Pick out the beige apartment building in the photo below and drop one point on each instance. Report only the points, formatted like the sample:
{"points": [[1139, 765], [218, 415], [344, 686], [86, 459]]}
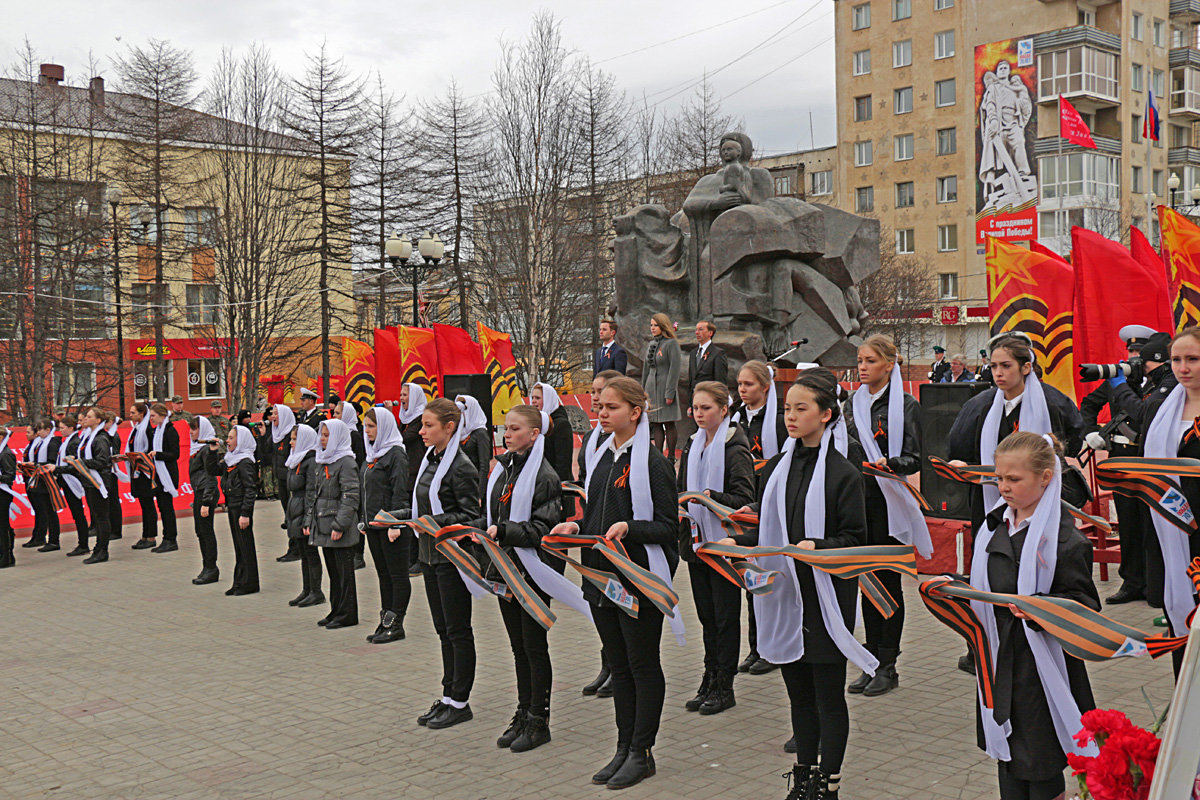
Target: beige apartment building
{"points": [[909, 126]]}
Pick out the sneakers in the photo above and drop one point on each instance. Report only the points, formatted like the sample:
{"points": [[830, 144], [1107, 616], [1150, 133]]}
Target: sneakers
{"points": [[167, 546], [514, 729], [450, 716], [433, 711]]}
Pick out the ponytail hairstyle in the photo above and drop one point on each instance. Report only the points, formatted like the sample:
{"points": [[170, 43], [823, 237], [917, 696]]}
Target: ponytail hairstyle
{"points": [[716, 390], [445, 410], [160, 409], [824, 389], [1020, 347], [142, 408], [1040, 454], [531, 416]]}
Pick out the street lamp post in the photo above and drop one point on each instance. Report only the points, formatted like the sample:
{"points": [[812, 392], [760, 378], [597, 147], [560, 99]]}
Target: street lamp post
{"points": [[1173, 186], [113, 196], [431, 249], [399, 250]]}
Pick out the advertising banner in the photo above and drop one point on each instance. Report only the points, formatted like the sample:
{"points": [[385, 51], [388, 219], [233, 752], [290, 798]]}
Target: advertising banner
{"points": [[1006, 188]]}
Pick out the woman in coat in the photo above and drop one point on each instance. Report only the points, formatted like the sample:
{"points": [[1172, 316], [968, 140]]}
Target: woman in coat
{"points": [[68, 430], [141, 483], [239, 483], [385, 487], [412, 406], [95, 456], [205, 496], [164, 449], [8, 474], [560, 441], [43, 449], [301, 481], [660, 376], [333, 520], [283, 422]]}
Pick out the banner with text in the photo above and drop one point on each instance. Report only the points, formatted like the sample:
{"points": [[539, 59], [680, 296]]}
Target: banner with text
{"points": [[1006, 187]]}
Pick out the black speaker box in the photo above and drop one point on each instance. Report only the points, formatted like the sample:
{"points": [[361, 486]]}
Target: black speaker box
{"points": [[477, 386], [940, 404]]}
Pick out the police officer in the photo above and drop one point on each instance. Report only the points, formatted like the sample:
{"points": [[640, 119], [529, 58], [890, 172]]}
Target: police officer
{"points": [[940, 366], [308, 413]]}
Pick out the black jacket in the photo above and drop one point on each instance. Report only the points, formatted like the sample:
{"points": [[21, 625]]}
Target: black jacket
{"points": [[754, 428], [302, 494], [414, 445], [279, 454], [201, 466], [169, 455], [35, 486], [560, 443], [543, 515], [385, 484], [713, 367], [939, 370], [312, 419], [617, 359], [1137, 405], [845, 526], [478, 448], [459, 495], [101, 462], [8, 469], [907, 463], [240, 485], [739, 488]]}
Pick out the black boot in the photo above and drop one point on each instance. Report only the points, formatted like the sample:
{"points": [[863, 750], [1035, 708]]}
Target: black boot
{"points": [[748, 662], [513, 731], [967, 663], [800, 779], [295, 601], [535, 734], [606, 689], [886, 677], [393, 629], [827, 785], [610, 769], [721, 696], [860, 683], [208, 575], [638, 766], [378, 628], [599, 680], [706, 687]]}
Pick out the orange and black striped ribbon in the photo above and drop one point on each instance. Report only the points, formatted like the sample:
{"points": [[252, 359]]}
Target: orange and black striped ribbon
{"points": [[83, 472], [571, 487], [876, 471], [467, 564], [744, 574], [518, 587], [41, 474], [1154, 482], [141, 462], [608, 584], [655, 589], [759, 463]]}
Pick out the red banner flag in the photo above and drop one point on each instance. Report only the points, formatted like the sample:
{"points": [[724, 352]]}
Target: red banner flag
{"points": [[418, 359], [358, 363], [1156, 278], [501, 367], [1181, 250], [1071, 125], [457, 352], [388, 374]]}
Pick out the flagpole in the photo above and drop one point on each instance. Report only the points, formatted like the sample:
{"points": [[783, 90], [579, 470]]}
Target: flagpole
{"points": [[1149, 169], [1059, 217]]}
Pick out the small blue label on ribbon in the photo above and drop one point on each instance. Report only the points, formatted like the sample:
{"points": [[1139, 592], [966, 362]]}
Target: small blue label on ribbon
{"points": [[616, 592]]}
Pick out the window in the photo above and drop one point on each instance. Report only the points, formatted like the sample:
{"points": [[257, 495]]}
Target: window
{"points": [[947, 238], [784, 185], [863, 154], [948, 285], [947, 189], [204, 378], [1089, 175], [942, 5], [1138, 27], [1185, 89], [904, 241], [902, 101], [1056, 224], [822, 182], [1159, 29], [902, 53], [943, 44], [860, 17], [199, 226], [1180, 136], [1086, 16], [1136, 183], [864, 199], [1156, 183], [862, 62], [1075, 70], [947, 141], [74, 384], [202, 301], [1159, 83], [904, 147], [143, 225], [1135, 128], [1136, 76], [905, 194], [144, 298], [862, 108], [901, 9], [144, 381], [943, 93]]}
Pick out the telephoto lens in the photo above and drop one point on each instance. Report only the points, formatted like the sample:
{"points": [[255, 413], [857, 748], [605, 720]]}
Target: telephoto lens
{"points": [[1102, 372]]}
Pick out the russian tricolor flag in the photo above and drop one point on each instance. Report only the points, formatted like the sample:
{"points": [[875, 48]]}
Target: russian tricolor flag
{"points": [[1152, 122]]}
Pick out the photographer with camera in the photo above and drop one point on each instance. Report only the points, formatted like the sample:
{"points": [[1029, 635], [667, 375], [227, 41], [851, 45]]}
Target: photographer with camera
{"points": [[1126, 395]]}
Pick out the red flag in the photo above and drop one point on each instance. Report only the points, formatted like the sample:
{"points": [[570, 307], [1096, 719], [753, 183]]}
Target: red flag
{"points": [[1181, 247], [1156, 278], [1071, 126], [501, 367], [388, 378], [418, 359], [457, 352]]}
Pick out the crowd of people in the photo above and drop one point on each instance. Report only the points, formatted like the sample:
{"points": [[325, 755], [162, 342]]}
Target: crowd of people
{"points": [[798, 459]]}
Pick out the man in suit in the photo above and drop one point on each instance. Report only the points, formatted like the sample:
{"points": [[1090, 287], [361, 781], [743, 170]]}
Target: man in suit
{"points": [[707, 362], [609, 355], [308, 413]]}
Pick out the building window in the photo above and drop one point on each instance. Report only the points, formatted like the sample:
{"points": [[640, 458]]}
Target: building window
{"points": [[204, 378], [1138, 27], [904, 242], [901, 9], [1180, 136], [1136, 183], [864, 199], [199, 226], [1077, 70], [202, 303], [1136, 76], [1159, 83], [902, 101], [1159, 29], [905, 194], [947, 189], [902, 53], [904, 147], [74, 384], [1135, 128], [1185, 88], [947, 238], [947, 141], [861, 17], [1086, 16], [943, 93], [1156, 183], [943, 44], [1055, 224], [143, 224], [863, 154], [822, 182], [862, 62], [942, 5], [145, 297], [862, 108], [144, 381], [948, 285], [784, 185], [1081, 175]]}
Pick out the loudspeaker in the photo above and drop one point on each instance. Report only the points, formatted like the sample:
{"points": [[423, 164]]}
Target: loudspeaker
{"points": [[940, 404], [477, 386]]}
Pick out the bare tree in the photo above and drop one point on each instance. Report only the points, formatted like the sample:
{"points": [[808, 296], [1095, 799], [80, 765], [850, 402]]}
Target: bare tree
{"points": [[893, 297], [690, 143]]}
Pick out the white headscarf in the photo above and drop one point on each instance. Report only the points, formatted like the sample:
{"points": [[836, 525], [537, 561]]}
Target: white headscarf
{"points": [[905, 520], [349, 415], [1035, 574], [70, 480], [416, 404], [706, 470], [306, 442], [138, 439], [205, 432], [1035, 418], [160, 466], [245, 447], [287, 421], [338, 445], [387, 435], [473, 418], [550, 398]]}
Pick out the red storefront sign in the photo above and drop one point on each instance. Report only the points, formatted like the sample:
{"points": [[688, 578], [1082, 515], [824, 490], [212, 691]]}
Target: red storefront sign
{"points": [[948, 315], [143, 349]]}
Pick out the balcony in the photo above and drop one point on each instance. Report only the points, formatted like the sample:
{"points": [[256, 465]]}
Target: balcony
{"points": [[1185, 92], [1183, 157], [1048, 146], [1087, 74], [1185, 11], [1184, 56]]}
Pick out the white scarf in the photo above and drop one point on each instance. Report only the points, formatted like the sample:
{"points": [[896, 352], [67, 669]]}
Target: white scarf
{"points": [[160, 466], [415, 406], [905, 520], [593, 448], [287, 421], [138, 440], [70, 480], [435, 503], [349, 415], [204, 433], [387, 435], [550, 398], [1162, 441], [337, 446], [37, 451], [86, 455], [243, 450], [770, 430], [780, 614], [473, 418], [706, 470], [1035, 574], [1035, 418], [519, 510], [306, 442]]}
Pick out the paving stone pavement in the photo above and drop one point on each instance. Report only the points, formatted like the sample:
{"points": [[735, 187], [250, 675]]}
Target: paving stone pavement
{"points": [[123, 680]]}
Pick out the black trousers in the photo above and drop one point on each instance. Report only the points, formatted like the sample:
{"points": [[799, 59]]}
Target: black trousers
{"points": [[100, 512], [310, 563], [391, 565], [115, 520], [166, 512], [206, 535], [752, 627], [820, 718], [639, 687], [1131, 535], [450, 606], [145, 500], [343, 591], [45, 518], [245, 564], [7, 537], [880, 632], [78, 515], [1012, 788], [531, 657], [719, 607]]}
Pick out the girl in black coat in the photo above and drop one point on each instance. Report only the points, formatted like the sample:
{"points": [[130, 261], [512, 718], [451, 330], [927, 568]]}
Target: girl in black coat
{"points": [[1029, 546], [70, 434], [164, 449], [560, 442], [42, 449], [385, 486], [631, 499], [523, 505], [99, 482], [716, 461], [141, 483], [301, 465], [206, 495], [811, 496], [239, 482], [8, 474], [412, 406], [283, 422]]}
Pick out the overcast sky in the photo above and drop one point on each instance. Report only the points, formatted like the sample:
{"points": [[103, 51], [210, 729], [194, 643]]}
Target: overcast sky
{"points": [[781, 50]]}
